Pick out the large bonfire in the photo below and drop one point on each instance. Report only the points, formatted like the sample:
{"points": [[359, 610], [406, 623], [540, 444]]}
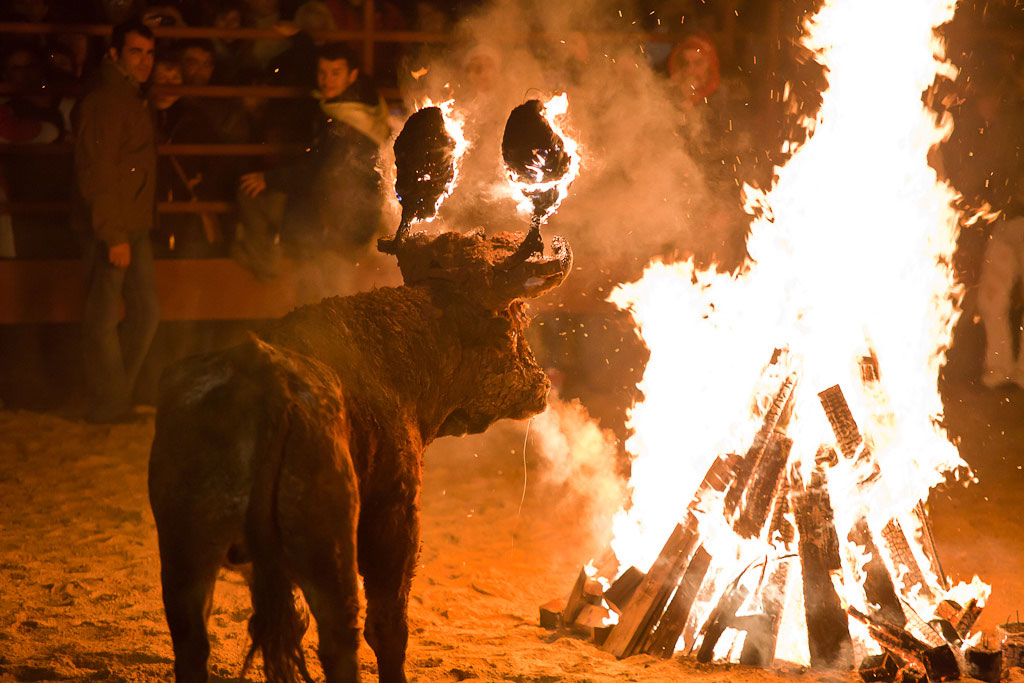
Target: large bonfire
{"points": [[848, 283]]}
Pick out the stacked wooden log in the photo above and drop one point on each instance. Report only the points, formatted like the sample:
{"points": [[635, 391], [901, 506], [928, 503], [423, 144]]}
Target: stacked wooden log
{"points": [[764, 497]]}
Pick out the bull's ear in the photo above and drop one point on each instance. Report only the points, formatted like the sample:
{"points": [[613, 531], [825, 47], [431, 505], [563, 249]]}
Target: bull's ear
{"points": [[482, 269]]}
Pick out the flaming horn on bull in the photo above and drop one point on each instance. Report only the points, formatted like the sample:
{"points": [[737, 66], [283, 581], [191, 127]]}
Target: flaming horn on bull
{"points": [[541, 163], [425, 160]]}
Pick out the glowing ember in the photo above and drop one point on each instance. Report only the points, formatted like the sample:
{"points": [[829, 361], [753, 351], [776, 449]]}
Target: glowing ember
{"points": [[849, 259]]}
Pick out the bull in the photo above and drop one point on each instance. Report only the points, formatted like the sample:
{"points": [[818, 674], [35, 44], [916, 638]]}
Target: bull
{"points": [[298, 453]]}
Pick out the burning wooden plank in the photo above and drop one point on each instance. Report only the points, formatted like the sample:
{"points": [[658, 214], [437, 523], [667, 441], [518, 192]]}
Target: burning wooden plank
{"points": [[894, 639], [902, 556], [878, 668], [776, 412], [760, 650], [665, 637], [843, 425], [649, 600], [964, 621], [763, 483], [940, 664], [720, 619], [878, 587], [622, 589], [828, 633]]}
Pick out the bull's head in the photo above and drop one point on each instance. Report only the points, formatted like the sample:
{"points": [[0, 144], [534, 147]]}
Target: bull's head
{"points": [[480, 287]]}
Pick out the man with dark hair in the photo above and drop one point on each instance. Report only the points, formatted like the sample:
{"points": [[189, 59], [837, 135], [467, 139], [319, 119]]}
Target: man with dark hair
{"points": [[334, 198], [115, 174]]}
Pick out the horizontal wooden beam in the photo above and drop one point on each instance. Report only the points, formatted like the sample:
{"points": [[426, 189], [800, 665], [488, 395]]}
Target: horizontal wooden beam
{"points": [[13, 27], [51, 291], [253, 149], [161, 207]]}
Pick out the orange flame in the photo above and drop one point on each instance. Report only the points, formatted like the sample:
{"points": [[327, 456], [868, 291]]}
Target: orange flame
{"points": [[554, 110], [454, 125], [850, 255]]}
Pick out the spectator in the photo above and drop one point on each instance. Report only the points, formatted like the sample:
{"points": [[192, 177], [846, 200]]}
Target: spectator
{"points": [[115, 174], [232, 57], [264, 14], [35, 117], [187, 235], [348, 16], [197, 61], [334, 199]]}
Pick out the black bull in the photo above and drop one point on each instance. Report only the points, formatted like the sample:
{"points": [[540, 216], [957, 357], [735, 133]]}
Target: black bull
{"points": [[301, 451]]}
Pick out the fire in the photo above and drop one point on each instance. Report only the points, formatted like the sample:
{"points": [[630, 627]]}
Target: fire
{"points": [[850, 258], [524, 189], [454, 125]]}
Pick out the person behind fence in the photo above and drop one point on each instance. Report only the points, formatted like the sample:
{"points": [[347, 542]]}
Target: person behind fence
{"points": [[334, 195], [115, 184]]}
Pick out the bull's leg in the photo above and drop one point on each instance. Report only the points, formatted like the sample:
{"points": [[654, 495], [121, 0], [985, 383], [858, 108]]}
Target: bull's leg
{"points": [[388, 542], [318, 510], [326, 573], [188, 578], [335, 606]]}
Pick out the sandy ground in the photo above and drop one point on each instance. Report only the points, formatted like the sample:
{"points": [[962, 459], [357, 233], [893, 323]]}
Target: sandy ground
{"points": [[80, 595]]}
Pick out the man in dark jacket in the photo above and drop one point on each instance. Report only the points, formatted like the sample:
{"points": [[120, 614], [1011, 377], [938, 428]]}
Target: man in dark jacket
{"points": [[334, 195], [115, 174]]}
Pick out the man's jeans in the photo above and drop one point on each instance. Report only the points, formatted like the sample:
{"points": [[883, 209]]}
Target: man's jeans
{"points": [[113, 360]]}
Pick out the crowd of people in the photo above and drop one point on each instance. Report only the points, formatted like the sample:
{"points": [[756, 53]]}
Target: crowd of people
{"points": [[328, 198]]}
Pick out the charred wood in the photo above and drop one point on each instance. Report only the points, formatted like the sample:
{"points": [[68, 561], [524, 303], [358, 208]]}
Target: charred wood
{"points": [[967, 617], [948, 610], [720, 619], [650, 597], [878, 668], [1013, 652], [551, 614], [665, 637], [748, 463], [764, 483], [828, 632], [903, 556], [760, 651], [878, 586], [984, 664], [911, 674], [843, 425], [941, 665], [851, 443], [893, 639]]}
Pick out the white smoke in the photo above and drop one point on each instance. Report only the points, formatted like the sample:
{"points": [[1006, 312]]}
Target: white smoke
{"points": [[639, 194], [579, 460]]}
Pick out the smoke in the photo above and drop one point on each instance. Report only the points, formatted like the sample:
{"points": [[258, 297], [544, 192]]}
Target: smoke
{"points": [[579, 460], [639, 194]]}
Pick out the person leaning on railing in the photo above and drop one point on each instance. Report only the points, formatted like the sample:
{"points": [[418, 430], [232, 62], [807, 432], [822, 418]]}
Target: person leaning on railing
{"points": [[115, 181]]}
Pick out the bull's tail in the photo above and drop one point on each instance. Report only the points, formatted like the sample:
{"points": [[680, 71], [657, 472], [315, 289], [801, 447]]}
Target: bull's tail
{"points": [[277, 624]]}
